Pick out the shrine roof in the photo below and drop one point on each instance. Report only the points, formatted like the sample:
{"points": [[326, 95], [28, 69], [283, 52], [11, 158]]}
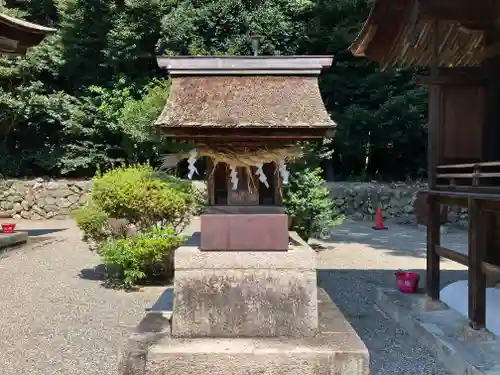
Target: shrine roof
{"points": [[399, 33], [245, 92], [16, 35]]}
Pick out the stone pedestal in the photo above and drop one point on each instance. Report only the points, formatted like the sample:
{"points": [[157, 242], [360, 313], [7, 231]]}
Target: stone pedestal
{"points": [[244, 228], [253, 294], [336, 349], [248, 313]]}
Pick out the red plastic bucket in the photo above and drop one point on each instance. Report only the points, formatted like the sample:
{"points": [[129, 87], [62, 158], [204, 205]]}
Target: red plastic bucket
{"points": [[407, 282], [8, 228]]}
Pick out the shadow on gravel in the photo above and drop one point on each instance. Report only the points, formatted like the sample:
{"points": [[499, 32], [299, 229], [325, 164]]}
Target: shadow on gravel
{"points": [[100, 273], [355, 293], [41, 232], [97, 273]]}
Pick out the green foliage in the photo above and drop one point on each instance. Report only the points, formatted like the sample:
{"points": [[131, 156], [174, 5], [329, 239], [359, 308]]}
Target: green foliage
{"points": [[137, 117], [307, 202], [92, 220], [148, 254], [86, 97], [134, 216], [142, 197]]}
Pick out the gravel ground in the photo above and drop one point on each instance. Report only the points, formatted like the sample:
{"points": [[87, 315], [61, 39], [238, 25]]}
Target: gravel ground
{"points": [[361, 260], [55, 321], [52, 320]]}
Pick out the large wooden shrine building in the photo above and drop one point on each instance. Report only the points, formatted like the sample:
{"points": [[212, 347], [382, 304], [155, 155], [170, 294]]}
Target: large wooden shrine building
{"points": [[459, 41]]}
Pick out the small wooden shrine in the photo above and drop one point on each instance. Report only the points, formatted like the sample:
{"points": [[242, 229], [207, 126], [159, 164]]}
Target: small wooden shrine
{"points": [[460, 41], [246, 115], [16, 36]]}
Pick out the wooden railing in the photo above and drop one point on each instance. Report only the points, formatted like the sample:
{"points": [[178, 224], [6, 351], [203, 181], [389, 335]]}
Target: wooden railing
{"points": [[483, 176]]}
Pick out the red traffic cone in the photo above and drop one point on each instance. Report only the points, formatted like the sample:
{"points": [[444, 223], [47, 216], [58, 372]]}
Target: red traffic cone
{"points": [[379, 224]]}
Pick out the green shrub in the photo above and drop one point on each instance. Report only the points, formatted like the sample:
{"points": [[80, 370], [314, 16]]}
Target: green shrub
{"points": [[308, 204], [92, 221], [145, 255], [200, 197], [143, 197]]}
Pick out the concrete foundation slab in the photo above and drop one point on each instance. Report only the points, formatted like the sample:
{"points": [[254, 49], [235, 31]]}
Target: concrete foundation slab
{"points": [[250, 294], [12, 239], [444, 331], [336, 349]]}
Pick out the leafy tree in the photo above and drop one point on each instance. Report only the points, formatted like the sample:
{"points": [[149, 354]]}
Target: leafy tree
{"points": [[87, 96]]}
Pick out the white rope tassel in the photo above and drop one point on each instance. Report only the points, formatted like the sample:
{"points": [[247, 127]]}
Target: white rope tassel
{"points": [[284, 172], [234, 177], [260, 173], [191, 167]]}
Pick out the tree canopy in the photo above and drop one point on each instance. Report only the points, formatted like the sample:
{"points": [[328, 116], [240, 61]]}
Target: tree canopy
{"points": [[86, 98]]}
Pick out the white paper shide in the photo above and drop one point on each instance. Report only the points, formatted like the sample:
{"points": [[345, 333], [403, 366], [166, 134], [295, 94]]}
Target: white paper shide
{"points": [[234, 177], [191, 161]]}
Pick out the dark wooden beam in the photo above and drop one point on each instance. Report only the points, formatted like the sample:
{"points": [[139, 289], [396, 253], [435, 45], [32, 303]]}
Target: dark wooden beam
{"points": [[433, 241], [251, 134], [476, 192], [491, 269], [476, 257], [452, 77], [477, 12], [229, 138], [491, 51], [452, 255]]}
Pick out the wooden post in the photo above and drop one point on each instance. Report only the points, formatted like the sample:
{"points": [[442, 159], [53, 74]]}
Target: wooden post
{"points": [[477, 254], [210, 181], [434, 114], [433, 239]]}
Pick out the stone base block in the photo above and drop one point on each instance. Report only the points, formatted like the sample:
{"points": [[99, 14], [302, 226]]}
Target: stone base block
{"points": [[245, 294], [12, 239], [336, 349], [236, 228], [444, 332]]}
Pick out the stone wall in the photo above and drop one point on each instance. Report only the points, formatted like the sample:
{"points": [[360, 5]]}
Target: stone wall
{"points": [[359, 201], [42, 199]]}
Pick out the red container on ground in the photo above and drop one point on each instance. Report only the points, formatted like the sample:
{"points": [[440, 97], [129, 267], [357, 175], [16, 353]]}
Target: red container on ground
{"points": [[8, 228], [407, 282]]}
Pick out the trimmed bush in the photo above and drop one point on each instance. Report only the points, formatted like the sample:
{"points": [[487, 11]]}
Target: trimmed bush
{"points": [[92, 221], [149, 253], [143, 197], [134, 218], [307, 202]]}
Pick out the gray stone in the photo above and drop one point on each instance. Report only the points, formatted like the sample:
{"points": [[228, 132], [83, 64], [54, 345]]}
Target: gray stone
{"points": [[7, 205], [75, 189], [254, 294], [17, 207], [52, 185], [41, 203], [15, 198], [444, 332], [25, 205], [63, 203], [336, 349], [12, 239], [36, 216], [73, 198], [50, 201], [61, 193]]}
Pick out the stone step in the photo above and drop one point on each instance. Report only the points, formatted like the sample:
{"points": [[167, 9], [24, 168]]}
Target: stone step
{"points": [[444, 332], [337, 349], [12, 239]]}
